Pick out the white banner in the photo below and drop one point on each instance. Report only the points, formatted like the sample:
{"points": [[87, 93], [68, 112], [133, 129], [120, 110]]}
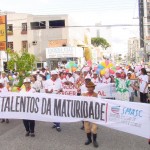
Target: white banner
{"points": [[105, 90], [128, 117], [69, 90]]}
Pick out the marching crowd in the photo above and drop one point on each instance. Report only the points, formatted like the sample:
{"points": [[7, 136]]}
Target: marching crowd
{"points": [[85, 80]]}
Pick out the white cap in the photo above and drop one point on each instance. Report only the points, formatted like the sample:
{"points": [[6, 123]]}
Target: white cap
{"points": [[54, 72], [70, 72], [88, 76], [26, 80], [1, 81], [129, 72]]}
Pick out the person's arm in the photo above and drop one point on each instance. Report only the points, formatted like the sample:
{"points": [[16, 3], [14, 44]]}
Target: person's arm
{"points": [[47, 91]]}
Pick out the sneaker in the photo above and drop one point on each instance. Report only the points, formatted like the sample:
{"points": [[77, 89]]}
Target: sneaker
{"points": [[32, 135], [3, 120], [7, 121], [54, 126], [27, 133], [58, 129]]}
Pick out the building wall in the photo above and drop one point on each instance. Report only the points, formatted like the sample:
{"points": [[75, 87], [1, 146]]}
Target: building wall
{"points": [[133, 49], [40, 37]]}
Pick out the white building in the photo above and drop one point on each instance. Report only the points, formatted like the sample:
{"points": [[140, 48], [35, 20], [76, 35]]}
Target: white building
{"points": [[35, 33], [133, 49]]}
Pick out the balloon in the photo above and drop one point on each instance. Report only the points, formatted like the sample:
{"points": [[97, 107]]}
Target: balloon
{"points": [[71, 64], [98, 71], [75, 65], [95, 68], [67, 66], [118, 68], [89, 62], [74, 69], [113, 68], [100, 67], [107, 70], [103, 64], [111, 71], [107, 62], [110, 65], [103, 72]]}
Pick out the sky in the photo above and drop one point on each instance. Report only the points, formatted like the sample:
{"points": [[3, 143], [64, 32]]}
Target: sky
{"points": [[87, 12]]}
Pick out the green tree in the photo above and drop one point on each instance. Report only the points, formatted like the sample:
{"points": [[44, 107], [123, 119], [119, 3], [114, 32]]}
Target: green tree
{"points": [[22, 63], [98, 41]]}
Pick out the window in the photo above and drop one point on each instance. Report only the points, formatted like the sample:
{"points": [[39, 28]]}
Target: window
{"points": [[38, 25], [57, 24], [24, 28], [9, 29], [11, 45], [24, 45]]}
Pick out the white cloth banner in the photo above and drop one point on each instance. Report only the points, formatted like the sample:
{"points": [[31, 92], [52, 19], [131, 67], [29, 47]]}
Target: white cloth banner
{"points": [[69, 90], [105, 90], [129, 117]]}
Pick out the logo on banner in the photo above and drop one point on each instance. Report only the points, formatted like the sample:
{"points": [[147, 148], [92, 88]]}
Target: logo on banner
{"points": [[131, 112], [115, 109]]}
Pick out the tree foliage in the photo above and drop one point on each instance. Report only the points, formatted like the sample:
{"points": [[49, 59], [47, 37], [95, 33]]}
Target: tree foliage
{"points": [[98, 41], [21, 63]]}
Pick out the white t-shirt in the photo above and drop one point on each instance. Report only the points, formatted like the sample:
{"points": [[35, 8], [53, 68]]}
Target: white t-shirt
{"points": [[104, 80], [143, 80], [71, 79], [4, 89], [5, 81], [62, 80], [95, 81], [36, 85], [55, 85]]}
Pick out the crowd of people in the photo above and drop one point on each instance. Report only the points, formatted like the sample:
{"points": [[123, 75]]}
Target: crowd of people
{"points": [[85, 80]]}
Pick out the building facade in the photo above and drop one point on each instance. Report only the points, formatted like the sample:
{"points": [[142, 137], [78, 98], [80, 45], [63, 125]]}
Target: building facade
{"points": [[134, 50], [35, 33], [144, 22]]}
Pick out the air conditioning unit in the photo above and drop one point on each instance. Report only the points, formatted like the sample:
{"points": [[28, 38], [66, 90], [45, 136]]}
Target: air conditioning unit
{"points": [[34, 43]]}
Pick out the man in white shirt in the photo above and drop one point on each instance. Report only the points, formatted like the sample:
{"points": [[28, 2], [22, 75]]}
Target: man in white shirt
{"points": [[95, 78], [70, 79], [54, 86]]}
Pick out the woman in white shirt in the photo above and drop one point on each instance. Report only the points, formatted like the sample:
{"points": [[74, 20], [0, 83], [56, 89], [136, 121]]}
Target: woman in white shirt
{"points": [[143, 85], [35, 84]]}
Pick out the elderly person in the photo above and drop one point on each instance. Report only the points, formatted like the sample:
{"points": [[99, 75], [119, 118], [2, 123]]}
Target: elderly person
{"points": [[3, 89], [28, 124], [35, 84], [90, 128], [54, 86]]}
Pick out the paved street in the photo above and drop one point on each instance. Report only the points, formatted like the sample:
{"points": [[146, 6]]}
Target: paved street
{"points": [[12, 137]]}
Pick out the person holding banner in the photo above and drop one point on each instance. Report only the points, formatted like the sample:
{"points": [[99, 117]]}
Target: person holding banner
{"points": [[95, 78], [28, 124], [54, 86], [3, 89], [90, 128]]}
